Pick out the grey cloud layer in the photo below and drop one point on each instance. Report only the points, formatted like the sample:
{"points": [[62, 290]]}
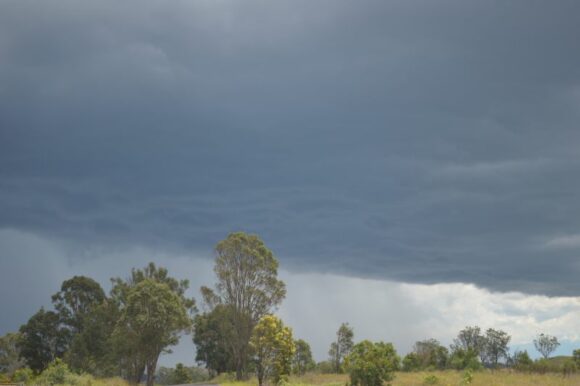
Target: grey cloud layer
{"points": [[407, 140]]}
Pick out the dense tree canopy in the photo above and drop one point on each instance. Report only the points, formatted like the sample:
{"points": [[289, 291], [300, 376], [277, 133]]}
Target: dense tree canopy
{"points": [[213, 337], [153, 312], [42, 340], [371, 364], [75, 300]]}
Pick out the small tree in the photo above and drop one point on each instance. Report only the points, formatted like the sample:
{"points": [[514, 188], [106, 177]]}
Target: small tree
{"points": [[546, 344], [411, 362], [341, 348], [371, 364], [469, 340], [274, 348], [495, 346], [521, 361], [302, 357], [430, 353]]}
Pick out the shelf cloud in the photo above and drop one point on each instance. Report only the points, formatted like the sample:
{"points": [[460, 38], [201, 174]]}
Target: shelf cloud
{"points": [[409, 142]]}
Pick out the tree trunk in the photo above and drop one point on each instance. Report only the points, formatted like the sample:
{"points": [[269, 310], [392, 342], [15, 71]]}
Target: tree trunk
{"points": [[151, 367]]}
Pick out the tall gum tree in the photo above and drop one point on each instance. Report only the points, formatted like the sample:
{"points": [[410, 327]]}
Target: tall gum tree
{"points": [[247, 282]]}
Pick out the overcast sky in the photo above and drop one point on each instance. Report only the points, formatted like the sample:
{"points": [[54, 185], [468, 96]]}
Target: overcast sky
{"points": [[413, 164]]}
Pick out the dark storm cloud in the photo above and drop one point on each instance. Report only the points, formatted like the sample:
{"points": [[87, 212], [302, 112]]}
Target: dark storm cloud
{"points": [[407, 140]]}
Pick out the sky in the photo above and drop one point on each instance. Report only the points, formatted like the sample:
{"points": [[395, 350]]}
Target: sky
{"points": [[412, 164]]}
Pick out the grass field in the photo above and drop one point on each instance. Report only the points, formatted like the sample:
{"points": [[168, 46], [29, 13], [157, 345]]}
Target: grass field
{"points": [[445, 378]]}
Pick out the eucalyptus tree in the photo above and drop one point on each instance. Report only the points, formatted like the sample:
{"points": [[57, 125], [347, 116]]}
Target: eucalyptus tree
{"points": [[76, 299], [42, 340], [546, 344], [153, 312], [495, 346], [248, 284], [341, 347], [303, 360]]}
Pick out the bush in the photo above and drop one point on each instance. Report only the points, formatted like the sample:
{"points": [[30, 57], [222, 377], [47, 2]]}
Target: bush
{"points": [[431, 380], [569, 367], [411, 362], [56, 373], [521, 361], [324, 367], [467, 377], [465, 359], [23, 375], [370, 364]]}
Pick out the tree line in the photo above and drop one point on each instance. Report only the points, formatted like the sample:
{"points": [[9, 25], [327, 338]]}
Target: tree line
{"points": [[123, 332]]}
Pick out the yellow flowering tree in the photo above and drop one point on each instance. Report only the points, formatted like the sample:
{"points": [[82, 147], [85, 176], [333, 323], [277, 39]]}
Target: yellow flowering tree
{"points": [[273, 348]]}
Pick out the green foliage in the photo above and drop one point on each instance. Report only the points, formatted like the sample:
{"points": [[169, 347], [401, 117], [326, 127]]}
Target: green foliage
{"points": [[76, 298], [92, 349], [469, 340], [324, 367], [273, 348], [411, 362], [467, 377], [431, 380], [431, 354], [42, 340], [521, 361], [569, 367], [495, 346], [546, 344], [213, 334], [57, 372], [10, 359], [341, 347], [247, 274], [180, 375], [370, 364], [151, 319], [461, 359], [302, 361], [23, 375]]}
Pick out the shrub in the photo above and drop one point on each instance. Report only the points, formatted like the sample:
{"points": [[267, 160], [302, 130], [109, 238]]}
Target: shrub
{"points": [[569, 367], [370, 364], [521, 361], [23, 375], [467, 377], [411, 362], [431, 380], [56, 373]]}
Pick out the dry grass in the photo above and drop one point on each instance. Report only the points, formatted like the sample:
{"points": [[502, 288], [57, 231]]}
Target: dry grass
{"points": [[446, 378], [488, 378]]}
